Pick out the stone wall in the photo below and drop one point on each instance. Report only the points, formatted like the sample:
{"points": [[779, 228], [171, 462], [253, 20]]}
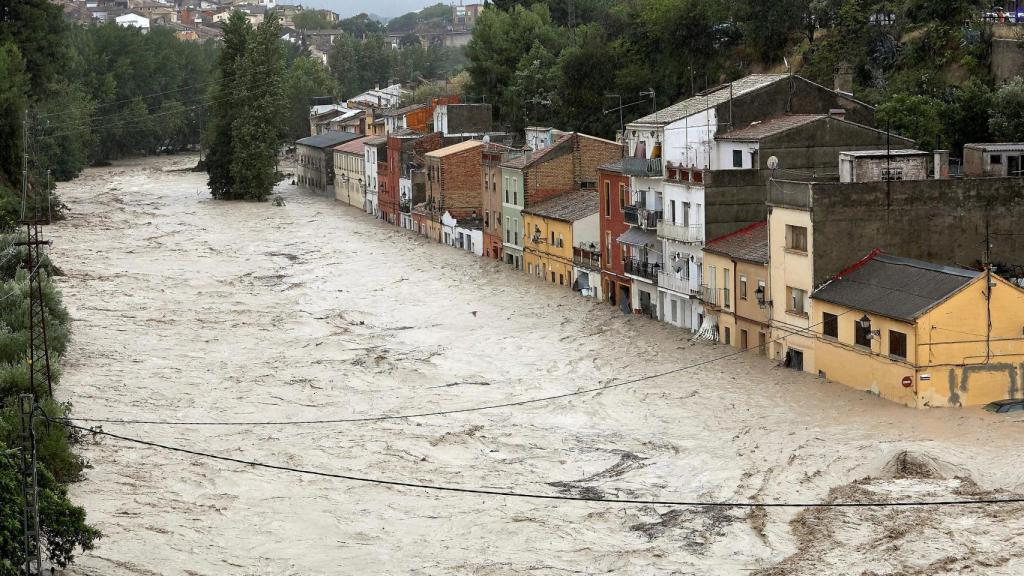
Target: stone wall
{"points": [[941, 221]]}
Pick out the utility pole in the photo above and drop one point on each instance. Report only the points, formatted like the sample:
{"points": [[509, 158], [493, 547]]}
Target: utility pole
{"points": [[33, 551]]}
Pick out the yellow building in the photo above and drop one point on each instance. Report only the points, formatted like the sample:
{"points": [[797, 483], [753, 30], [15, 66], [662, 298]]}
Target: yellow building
{"points": [[736, 289], [791, 260], [921, 334], [552, 228]]}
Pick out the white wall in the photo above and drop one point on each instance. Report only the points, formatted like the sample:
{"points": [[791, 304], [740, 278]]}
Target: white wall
{"points": [[723, 157], [586, 230]]}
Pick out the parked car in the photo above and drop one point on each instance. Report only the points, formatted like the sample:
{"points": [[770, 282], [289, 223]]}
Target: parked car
{"points": [[1005, 406]]}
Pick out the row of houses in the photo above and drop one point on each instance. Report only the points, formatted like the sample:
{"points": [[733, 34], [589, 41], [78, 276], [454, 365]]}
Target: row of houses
{"points": [[768, 214]]}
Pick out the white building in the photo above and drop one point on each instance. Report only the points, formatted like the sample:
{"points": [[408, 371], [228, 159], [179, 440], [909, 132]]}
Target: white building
{"points": [[133, 20], [374, 148], [405, 198]]}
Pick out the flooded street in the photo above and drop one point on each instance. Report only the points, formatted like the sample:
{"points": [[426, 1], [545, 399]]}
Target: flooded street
{"points": [[189, 309]]}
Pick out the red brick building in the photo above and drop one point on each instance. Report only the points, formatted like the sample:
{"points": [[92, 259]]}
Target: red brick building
{"points": [[613, 186], [453, 185], [492, 155]]}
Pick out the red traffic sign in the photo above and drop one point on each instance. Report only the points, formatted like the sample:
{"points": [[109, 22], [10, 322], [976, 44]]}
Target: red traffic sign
{"points": [[907, 382]]}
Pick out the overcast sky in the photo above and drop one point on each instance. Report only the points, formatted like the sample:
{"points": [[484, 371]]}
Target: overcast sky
{"points": [[348, 8]]}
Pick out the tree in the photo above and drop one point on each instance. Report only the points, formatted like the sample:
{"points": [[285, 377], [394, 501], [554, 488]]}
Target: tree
{"points": [[1007, 116], [967, 115], [311, 20], [225, 106], [916, 117], [259, 129], [306, 79]]}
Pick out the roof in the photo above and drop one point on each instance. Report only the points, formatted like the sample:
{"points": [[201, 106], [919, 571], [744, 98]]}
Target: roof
{"points": [[997, 146], [568, 207], [327, 139], [770, 127], [884, 153], [402, 111], [749, 243], [376, 140], [352, 146], [454, 149], [710, 99], [612, 166], [531, 158], [324, 108], [898, 288]]}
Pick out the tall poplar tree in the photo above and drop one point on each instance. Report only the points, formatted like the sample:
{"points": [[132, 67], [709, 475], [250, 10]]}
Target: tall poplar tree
{"points": [[258, 130], [224, 109]]}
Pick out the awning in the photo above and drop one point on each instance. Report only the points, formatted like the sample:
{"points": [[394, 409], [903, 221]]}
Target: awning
{"points": [[638, 237]]}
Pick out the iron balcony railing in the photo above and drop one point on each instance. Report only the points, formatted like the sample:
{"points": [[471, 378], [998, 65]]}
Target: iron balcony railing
{"points": [[643, 167], [586, 258], [630, 214], [648, 219], [642, 268], [692, 234], [714, 298]]}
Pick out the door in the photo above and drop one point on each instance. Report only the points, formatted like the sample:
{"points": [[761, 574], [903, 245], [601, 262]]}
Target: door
{"points": [[761, 343], [796, 359], [743, 340]]}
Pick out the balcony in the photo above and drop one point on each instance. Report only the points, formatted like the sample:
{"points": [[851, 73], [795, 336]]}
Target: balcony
{"points": [[631, 215], [642, 269], [405, 206], [642, 167], [692, 234], [648, 219], [714, 298], [586, 258], [680, 284]]}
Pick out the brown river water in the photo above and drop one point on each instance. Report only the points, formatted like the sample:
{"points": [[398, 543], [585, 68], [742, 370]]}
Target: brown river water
{"points": [[186, 309]]}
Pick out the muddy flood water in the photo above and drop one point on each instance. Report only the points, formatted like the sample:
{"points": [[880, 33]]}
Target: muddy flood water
{"points": [[189, 309]]}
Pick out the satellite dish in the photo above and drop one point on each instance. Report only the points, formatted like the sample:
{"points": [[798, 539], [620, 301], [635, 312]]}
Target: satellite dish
{"points": [[773, 162], [487, 138]]}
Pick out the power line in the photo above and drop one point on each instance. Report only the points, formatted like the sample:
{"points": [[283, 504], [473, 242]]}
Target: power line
{"points": [[559, 497], [443, 412]]}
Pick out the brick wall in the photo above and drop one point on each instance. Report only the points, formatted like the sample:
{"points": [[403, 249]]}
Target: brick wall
{"points": [[612, 222], [460, 183]]}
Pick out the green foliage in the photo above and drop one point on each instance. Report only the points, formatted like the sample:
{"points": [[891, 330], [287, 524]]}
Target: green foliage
{"points": [[307, 78], [1007, 116], [311, 20], [916, 117], [434, 18], [359, 65], [247, 126]]}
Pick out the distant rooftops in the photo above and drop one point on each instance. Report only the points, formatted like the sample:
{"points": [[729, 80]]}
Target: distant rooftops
{"points": [[894, 287], [327, 139]]}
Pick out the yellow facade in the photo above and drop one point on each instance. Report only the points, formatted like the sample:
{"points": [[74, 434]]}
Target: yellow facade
{"points": [[742, 322], [952, 359], [550, 256], [791, 269]]}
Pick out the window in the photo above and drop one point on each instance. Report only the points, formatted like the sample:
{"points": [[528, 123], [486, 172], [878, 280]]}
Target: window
{"points": [[529, 268], [737, 158], [608, 248], [686, 214], [726, 301], [506, 190], [997, 159], [622, 195], [830, 325], [552, 238], [561, 279], [607, 199], [552, 277], [508, 229], [517, 229], [515, 190], [795, 301], [861, 335], [894, 173], [897, 344], [487, 218], [561, 241], [796, 238], [743, 287]]}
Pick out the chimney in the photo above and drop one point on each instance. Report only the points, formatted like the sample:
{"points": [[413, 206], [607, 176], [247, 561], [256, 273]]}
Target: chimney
{"points": [[941, 164], [838, 113], [843, 77]]}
